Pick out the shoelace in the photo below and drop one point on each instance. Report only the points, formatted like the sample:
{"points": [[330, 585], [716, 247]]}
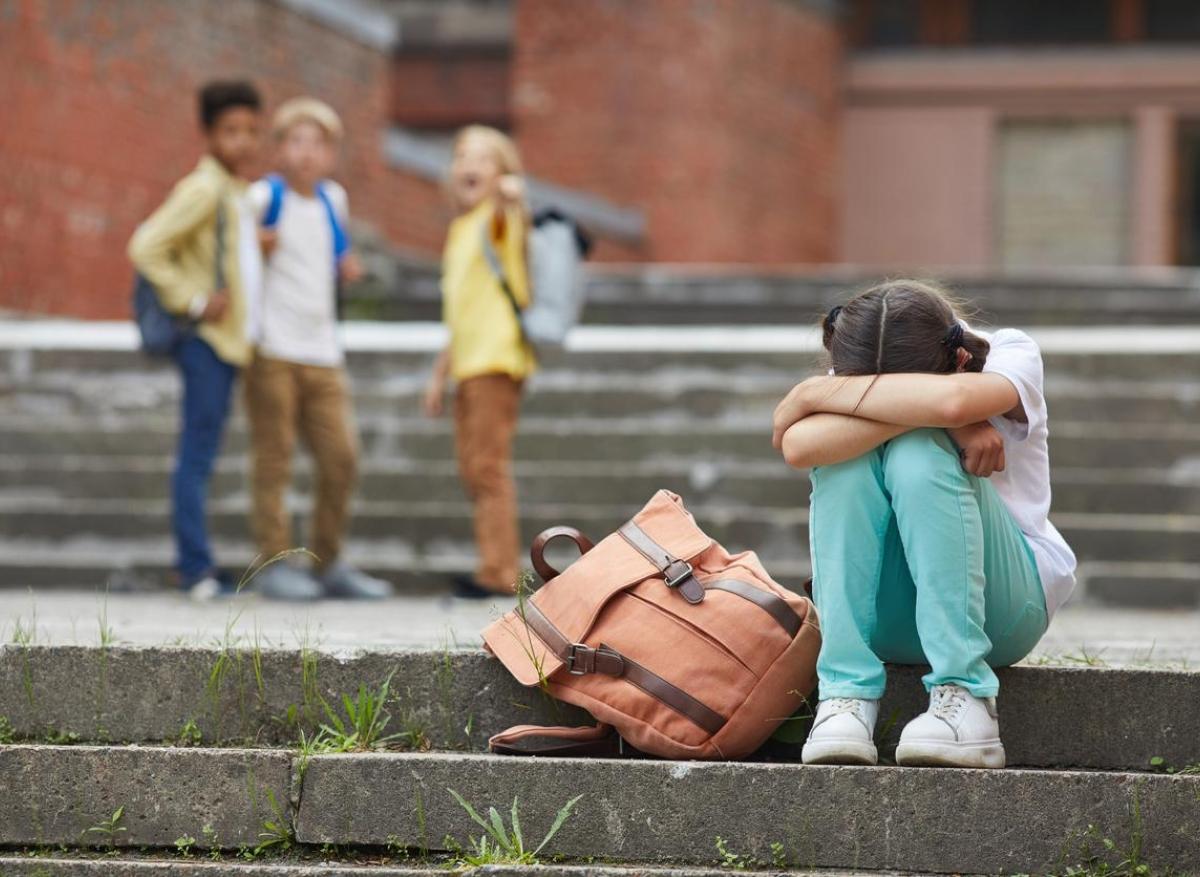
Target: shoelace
{"points": [[839, 705], [948, 701]]}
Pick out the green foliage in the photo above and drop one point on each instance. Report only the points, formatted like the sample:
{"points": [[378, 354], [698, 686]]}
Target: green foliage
{"points": [[1159, 765], [107, 830], [727, 858], [502, 844], [1110, 859], [7, 733], [189, 734], [184, 844], [57, 737], [214, 843], [276, 835], [366, 719]]}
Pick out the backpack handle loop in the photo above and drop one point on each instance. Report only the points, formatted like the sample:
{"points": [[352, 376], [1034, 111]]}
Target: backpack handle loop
{"points": [[537, 550]]}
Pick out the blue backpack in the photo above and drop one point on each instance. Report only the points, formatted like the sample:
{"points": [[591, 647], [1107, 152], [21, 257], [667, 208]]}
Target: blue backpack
{"points": [[161, 331], [341, 238]]}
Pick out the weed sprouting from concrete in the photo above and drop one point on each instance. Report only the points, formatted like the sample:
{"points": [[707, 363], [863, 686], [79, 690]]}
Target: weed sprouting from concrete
{"points": [[184, 844], [210, 838], [727, 858], [502, 844], [189, 734], [25, 636], [1129, 861], [1086, 658], [365, 721], [1158, 764], [59, 737], [7, 733], [276, 834], [107, 830]]}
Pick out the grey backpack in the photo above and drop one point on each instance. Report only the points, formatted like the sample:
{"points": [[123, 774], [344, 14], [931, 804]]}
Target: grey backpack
{"points": [[557, 248]]}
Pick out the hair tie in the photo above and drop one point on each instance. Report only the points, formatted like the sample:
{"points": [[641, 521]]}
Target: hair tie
{"points": [[954, 337]]}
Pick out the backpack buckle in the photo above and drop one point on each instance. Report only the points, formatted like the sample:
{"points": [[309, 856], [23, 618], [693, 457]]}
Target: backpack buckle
{"points": [[578, 654], [677, 573]]}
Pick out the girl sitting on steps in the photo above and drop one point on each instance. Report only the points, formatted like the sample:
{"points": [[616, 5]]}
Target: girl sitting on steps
{"points": [[929, 534]]}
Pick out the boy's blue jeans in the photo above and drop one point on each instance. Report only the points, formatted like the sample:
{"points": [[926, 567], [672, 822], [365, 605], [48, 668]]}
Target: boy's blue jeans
{"points": [[915, 561], [207, 390]]}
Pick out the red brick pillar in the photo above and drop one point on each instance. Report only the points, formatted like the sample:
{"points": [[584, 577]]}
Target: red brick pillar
{"points": [[718, 118]]}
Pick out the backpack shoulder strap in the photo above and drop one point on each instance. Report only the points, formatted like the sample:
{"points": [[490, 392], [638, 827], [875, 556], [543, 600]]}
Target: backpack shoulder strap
{"points": [[341, 239], [597, 741], [270, 218], [493, 260]]}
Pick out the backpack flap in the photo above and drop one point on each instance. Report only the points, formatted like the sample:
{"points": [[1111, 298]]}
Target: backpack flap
{"points": [[538, 638]]}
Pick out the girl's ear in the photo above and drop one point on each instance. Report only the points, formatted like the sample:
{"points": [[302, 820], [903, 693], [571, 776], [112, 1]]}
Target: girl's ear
{"points": [[962, 358]]}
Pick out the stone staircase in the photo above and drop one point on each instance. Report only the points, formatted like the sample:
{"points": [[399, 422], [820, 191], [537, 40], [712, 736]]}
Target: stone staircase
{"points": [[87, 426], [205, 744]]}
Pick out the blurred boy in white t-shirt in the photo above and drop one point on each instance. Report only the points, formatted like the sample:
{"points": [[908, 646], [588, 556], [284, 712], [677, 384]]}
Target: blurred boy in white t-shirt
{"points": [[296, 384]]}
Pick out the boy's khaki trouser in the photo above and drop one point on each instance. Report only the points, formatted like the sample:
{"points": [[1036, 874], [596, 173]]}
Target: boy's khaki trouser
{"points": [[485, 420], [283, 398]]}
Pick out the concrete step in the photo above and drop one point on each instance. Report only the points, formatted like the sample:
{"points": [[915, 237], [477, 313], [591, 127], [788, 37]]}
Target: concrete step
{"points": [[1074, 444], [405, 351], [236, 694], [673, 295], [426, 528], [38, 477], [636, 809], [312, 862], [122, 565], [669, 389], [800, 816]]}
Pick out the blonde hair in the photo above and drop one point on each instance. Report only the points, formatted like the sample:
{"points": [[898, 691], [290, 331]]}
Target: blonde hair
{"points": [[306, 109], [502, 146]]}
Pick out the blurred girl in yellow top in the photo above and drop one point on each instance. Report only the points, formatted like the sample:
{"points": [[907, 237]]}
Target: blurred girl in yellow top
{"points": [[487, 356]]}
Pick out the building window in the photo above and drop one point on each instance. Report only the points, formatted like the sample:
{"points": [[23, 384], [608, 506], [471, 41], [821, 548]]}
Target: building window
{"points": [[1172, 20], [1063, 193], [1037, 21]]}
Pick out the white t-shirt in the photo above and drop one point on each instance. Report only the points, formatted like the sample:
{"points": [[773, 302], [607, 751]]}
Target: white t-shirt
{"points": [[1024, 485], [295, 318]]}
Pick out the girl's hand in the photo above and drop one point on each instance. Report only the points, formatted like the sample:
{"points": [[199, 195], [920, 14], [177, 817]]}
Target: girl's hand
{"points": [[435, 393], [511, 189], [981, 448]]}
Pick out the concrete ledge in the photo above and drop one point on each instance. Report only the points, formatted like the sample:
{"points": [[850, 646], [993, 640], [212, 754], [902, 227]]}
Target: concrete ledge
{"points": [[457, 699], [165, 793], [40, 866], [910, 819]]}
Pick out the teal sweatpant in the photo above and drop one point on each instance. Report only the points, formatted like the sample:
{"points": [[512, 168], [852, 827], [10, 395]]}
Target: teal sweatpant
{"points": [[915, 561]]}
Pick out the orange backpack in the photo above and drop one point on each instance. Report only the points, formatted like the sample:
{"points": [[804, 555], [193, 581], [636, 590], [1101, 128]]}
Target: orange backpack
{"points": [[660, 633]]}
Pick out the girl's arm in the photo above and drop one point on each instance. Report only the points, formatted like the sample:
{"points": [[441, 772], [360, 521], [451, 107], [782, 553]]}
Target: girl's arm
{"points": [[435, 390], [825, 439], [909, 400]]}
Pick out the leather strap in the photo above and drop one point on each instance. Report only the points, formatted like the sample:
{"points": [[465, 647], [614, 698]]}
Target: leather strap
{"points": [[775, 606], [600, 741], [676, 698], [537, 550], [676, 573], [581, 659]]}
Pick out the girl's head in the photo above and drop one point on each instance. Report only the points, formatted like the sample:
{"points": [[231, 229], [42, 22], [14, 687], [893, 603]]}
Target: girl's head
{"points": [[901, 326], [482, 156]]}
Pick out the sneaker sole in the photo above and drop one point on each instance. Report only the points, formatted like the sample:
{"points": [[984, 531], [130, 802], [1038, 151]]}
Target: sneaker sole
{"points": [[929, 753], [839, 752]]}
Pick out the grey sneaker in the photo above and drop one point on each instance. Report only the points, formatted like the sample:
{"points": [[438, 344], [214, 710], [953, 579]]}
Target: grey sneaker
{"points": [[342, 580], [282, 581]]}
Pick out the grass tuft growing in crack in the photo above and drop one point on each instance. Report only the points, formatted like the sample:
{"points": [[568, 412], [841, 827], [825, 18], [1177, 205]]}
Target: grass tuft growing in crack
{"points": [[501, 844]]}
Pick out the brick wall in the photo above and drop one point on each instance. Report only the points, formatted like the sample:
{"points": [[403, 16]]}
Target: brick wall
{"points": [[719, 120], [99, 103]]}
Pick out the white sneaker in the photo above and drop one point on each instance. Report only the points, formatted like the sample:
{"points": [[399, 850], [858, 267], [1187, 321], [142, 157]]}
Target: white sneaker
{"points": [[958, 730], [842, 732]]}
